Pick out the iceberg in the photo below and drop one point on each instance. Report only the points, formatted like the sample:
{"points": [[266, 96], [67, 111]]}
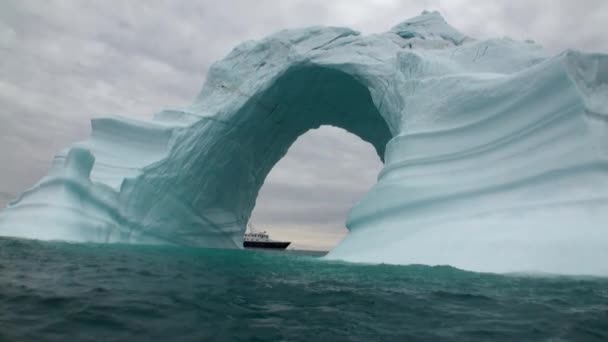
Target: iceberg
{"points": [[495, 154]]}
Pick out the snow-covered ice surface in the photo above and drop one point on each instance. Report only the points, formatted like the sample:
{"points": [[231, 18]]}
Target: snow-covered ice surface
{"points": [[496, 155]]}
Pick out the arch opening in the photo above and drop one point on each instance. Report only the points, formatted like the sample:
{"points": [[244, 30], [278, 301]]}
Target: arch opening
{"points": [[307, 195]]}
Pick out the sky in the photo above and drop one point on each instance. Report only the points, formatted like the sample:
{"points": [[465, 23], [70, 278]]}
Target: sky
{"points": [[65, 62]]}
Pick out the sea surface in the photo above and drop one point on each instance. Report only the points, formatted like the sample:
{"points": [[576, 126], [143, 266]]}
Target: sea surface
{"points": [[52, 291]]}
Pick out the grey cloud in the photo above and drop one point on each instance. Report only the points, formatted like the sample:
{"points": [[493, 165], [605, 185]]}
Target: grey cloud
{"points": [[290, 197], [557, 25]]}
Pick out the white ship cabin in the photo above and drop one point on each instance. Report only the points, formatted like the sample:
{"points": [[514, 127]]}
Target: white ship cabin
{"points": [[254, 235]]}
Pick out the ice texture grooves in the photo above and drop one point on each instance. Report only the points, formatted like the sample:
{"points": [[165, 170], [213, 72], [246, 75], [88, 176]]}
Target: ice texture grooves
{"points": [[496, 155]]}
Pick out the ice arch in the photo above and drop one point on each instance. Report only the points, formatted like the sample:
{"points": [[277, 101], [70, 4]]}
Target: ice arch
{"points": [[495, 154], [220, 182]]}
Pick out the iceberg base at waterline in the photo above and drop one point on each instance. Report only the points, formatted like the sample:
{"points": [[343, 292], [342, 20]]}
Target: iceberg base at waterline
{"points": [[495, 154]]}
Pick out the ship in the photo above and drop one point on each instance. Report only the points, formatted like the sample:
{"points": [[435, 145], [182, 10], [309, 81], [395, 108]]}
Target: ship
{"points": [[257, 239]]}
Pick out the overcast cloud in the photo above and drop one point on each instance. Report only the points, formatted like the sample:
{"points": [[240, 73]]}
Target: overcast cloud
{"points": [[64, 62]]}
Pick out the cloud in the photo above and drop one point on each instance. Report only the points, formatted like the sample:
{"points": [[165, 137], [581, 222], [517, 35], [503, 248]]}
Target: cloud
{"points": [[64, 62]]}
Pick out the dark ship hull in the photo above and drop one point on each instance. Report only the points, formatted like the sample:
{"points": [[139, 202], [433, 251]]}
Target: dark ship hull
{"points": [[266, 244]]}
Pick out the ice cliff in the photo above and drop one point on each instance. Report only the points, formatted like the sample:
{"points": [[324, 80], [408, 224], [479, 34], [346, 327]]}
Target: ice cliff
{"points": [[496, 155]]}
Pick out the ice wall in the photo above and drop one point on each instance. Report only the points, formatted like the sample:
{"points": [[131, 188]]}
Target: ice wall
{"points": [[496, 155]]}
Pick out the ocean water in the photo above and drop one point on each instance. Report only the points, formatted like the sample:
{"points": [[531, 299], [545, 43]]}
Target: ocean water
{"points": [[53, 291]]}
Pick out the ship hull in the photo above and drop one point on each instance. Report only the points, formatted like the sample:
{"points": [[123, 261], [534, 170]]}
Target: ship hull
{"points": [[266, 244]]}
